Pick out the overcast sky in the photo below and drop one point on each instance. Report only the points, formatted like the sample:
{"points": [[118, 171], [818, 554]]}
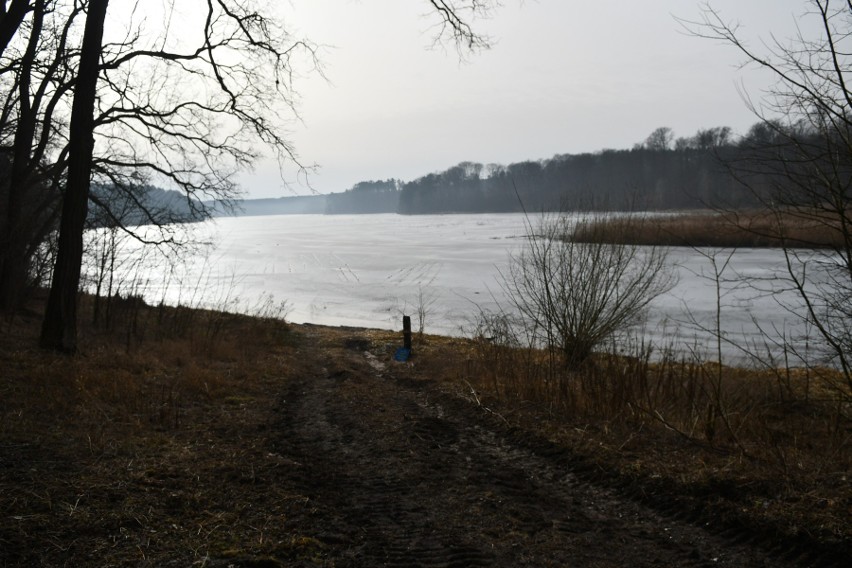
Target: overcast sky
{"points": [[563, 76]]}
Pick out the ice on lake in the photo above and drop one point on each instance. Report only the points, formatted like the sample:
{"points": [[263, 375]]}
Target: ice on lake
{"points": [[367, 270]]}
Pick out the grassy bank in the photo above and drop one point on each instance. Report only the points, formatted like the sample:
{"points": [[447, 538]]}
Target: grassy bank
{"points": [[160, 423]]}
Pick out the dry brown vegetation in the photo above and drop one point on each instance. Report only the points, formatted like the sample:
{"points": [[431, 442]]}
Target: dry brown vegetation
{"points": [[772, 445], [153, 443], [139, 440], [718, 229]]}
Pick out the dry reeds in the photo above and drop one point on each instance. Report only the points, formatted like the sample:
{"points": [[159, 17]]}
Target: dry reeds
{"points": [[792, 423], [757, 229]]}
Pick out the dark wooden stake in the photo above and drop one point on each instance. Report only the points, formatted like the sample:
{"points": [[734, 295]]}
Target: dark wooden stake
{"points": [[406, 331]]}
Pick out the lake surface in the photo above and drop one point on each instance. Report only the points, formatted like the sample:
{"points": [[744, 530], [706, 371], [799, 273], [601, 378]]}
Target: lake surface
{"points": [[367, 270]]}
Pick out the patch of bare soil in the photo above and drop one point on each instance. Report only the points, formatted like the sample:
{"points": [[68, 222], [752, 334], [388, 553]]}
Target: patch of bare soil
{"points": [[337, 456]]}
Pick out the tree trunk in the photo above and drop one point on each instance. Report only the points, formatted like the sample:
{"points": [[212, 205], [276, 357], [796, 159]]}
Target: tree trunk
{"points": [[14, 263], [11, 19], [59, 329]]}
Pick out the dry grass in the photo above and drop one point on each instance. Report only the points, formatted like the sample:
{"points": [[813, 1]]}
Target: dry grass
{"points": [[126, 445], [731, 229], [157, 434], [144, 369], [774, 445]]}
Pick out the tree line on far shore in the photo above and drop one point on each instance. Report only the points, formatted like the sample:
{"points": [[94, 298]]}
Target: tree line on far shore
{"points": [[662, 172]]}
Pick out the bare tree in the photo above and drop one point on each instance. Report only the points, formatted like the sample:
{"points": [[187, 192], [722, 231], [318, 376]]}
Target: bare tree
{"points": [[455, 22], [799, 159], [235, 81], [59, 329], [580, 294], [12, 15], [35, 71], [660, 139]]}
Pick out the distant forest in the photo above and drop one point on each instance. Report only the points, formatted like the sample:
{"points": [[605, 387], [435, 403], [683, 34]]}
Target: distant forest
{"points": [[141, 205], [662, 172]]}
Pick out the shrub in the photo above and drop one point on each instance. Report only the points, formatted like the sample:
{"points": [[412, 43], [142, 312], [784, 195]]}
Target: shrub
{"points": [[576, 295]]}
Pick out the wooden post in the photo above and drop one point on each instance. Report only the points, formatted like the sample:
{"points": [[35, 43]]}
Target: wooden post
{"points": [[406, 332]]}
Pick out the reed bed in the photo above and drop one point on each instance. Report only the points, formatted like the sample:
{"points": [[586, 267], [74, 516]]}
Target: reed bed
{"points": [[754, 229]]}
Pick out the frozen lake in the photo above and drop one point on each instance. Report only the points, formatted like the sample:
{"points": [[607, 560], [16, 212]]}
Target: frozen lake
{"points": [[367, 270]]}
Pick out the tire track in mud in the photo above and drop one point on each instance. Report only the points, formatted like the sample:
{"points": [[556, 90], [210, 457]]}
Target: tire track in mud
{"points": [[394, 474]]}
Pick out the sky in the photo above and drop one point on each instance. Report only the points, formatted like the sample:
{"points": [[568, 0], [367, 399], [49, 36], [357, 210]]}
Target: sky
{"points": [[562, 76]]}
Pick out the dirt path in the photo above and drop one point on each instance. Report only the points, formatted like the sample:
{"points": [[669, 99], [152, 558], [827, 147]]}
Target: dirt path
{"points": [[396, 472]]}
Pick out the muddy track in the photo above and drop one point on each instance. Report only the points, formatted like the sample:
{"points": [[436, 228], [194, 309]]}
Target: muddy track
{"points": [[397, 473]]}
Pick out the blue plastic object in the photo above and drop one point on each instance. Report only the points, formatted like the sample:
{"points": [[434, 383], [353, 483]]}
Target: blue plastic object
{"points": [[402, 354]]}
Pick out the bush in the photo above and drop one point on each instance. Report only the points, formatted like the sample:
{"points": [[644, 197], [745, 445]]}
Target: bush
{"points": [[576, 295]]}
